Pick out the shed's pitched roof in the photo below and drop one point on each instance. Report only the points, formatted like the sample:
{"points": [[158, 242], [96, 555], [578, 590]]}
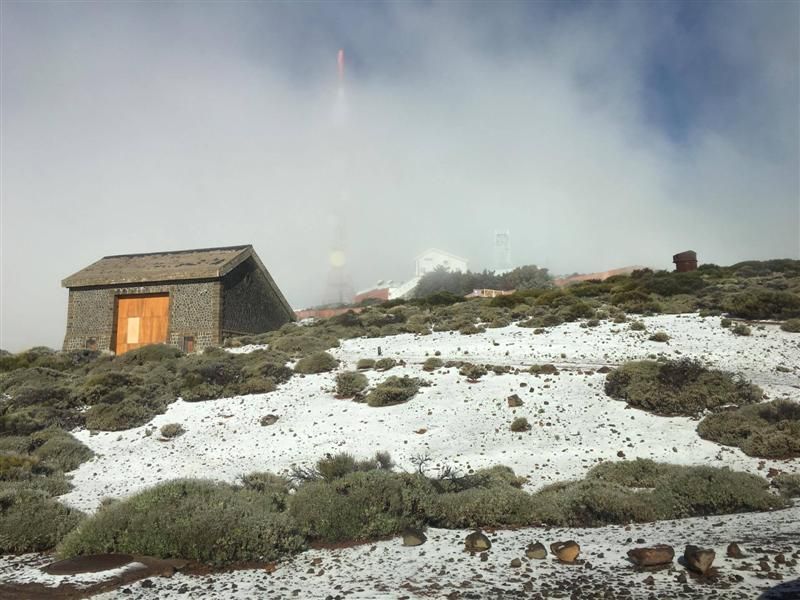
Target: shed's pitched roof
{"points": [[206, 263]]}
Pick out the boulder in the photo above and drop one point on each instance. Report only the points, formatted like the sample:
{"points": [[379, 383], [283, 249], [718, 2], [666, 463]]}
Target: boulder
{"points": [[516, 563], [537, 551], [514, 401], [734, 551], [413, 537], [698, 559], [660, 554], [566, 551], [477, 542]]}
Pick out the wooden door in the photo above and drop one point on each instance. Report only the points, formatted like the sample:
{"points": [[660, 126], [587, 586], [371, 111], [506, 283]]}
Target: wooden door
{"points": [[141, 320]]}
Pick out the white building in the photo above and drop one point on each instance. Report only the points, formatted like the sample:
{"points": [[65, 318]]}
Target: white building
{"points": [[433, 258]]}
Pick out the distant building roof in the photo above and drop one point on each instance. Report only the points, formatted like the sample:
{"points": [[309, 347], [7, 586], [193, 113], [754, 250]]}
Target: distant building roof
{"points": [[443, 252], [181, 265]]}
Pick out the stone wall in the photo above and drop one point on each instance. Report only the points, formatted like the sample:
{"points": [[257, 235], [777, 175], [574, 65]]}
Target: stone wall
{"points": [[249, 303], [195, 310]]}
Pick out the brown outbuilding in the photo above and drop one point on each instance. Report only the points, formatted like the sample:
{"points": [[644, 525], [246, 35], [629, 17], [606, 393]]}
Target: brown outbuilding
{"points": [[191, 299], [685, 261]]}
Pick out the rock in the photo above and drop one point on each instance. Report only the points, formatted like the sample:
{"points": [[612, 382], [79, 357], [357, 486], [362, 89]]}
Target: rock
{"points": [[734, 551], [698, 559], [413, 537], [514, 401], [604, 369], [516, 563], [477, 542], [566, 551], [267, 420], [649, 580], [537, 551], [652, 556]]}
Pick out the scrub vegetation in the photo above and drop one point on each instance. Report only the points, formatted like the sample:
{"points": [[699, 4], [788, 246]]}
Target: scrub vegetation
{"points": [[678, 387], [343, 499]]}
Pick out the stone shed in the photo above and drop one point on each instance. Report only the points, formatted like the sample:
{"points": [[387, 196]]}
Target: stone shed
{"points": [[190, 298]]}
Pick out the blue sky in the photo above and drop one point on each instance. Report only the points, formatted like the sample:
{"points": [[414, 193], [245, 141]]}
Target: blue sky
{"points": [[601, 134]]}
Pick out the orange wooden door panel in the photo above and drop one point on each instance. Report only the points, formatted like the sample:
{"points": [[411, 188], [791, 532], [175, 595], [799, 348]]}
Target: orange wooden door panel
{"points": [[141, 320]]}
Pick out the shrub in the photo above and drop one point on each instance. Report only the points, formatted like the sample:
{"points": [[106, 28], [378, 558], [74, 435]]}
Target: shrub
{"points": [[433, 363], [767, 430], [61, 451], [116, 417], [472, 372], [740, 329], [384, 364], [365, 363], [31, 521], [792, 326], [725, 322], [520, 424], [273, 488], [764, 304], [643, 490], [319, 362], [350, 383], [149, 354], [682, 387], [303, 343], [209, 522], [659, 336], [361, 505], [546, 369], [393, 390], [637, 326], [15, 467], [495, 506], [788, 484], [172, 430]]}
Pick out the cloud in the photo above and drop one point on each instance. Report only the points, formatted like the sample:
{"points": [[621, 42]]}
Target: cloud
{"points": [[599, 136]]}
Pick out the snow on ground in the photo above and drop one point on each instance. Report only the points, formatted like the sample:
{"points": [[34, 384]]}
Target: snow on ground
{"points": [[467, 425], [575, 425]]}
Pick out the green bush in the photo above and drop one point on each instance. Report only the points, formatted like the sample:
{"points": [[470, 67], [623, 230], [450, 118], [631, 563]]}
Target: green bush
{"points": [[116, 417], [384, 364], [740, 329], [637, 326], [319, 362], [361, 505], [520, 424], [365, 363], [172, 430], [472, 372], [152, 353], [494, 506], [659, 336], [767, 430], [16, 467], [791, 325], [546, 369], [393, 390], [788, 484], [432, 363], [683, 387], [304, 342], [273, 488], [725, 322], [198, 520], [350, 383], [31, 521], [643, 490], [60, 450], [764, 304]]}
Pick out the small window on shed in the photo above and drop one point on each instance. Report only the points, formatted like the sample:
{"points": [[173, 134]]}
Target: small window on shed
{"points": [[188, 343], [91, 343]]}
